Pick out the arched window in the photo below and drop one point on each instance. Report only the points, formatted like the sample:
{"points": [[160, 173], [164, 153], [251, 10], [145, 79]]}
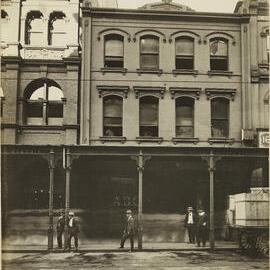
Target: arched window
{"points": [[184, 117], [149, 52], [114, 51], [44, 104], [149, 116], [218, 54], [112, 116], [220, 118], [34, 28], [184, 53], [56, 29]]}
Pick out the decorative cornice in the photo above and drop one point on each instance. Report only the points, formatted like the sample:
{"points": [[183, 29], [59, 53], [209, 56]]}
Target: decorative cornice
{"points": [[185, 92], [220, 92], [141, 91], [105, 90]]}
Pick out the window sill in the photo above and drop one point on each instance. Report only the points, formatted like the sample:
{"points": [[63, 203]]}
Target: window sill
{"points": [[150, 71], [47, 127], [221, 140], [113, 70], [219, 73], [176, 140], [185, 72], [149, 139], [121, 139]]}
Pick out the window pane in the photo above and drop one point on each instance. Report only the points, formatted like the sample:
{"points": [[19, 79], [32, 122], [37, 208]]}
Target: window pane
{"points": [[149, 131], [112, 131], [112, 121], [219, 128], [55, 93], [114, 62], [35, 109], [149, 61], [184, 116], [219, 109], [55, 110], [184, 47], [149, 45], [184, 131], [218, 48], [184, 63], [148, 112], [38, 94], [219, 64], [113, 107], [114, 47]]}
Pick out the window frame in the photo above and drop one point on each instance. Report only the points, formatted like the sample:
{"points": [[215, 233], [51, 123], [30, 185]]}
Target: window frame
{"points": [[179, 56], [157, 54]]}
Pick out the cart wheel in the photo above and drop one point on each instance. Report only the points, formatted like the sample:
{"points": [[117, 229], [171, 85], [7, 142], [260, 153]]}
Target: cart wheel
{"points": [[262, 243]]}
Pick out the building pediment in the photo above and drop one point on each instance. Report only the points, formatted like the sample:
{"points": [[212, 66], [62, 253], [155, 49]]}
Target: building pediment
{"points": [[166, 5]]}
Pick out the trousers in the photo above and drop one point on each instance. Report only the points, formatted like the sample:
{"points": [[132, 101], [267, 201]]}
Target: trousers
{"points": [[125, 236]]}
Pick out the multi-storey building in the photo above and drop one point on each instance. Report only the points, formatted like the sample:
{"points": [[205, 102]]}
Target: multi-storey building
{"points": [[171, 110]]}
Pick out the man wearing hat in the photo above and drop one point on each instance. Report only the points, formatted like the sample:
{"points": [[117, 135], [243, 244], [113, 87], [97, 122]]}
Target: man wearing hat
{"points": [[190, 224], [73, 230], [129, 231], [202, 227], [60, 227]]}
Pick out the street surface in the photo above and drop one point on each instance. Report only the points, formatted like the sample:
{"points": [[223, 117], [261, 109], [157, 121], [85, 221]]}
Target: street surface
{"points": [[185, 260]]}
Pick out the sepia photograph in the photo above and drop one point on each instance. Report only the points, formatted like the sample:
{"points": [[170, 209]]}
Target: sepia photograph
{"points": [[134, 134]]}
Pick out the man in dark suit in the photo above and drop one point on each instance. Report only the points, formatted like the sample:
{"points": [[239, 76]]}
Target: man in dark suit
{"points": [[73, 230], [190, 224], [129, 231], [60, 227], [202, 227]]}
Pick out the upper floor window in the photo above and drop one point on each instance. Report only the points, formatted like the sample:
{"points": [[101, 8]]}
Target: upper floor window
{"points": [[114, 51], [44, 104], [112, 116], [149, 116], [218, 54], [219, 117], [4, 14], [184, 117], [149, 52], [34, 28], [56, 29], [184, 53]]}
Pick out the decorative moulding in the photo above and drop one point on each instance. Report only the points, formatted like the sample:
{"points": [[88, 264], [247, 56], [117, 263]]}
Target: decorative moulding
{"points": [[141, 91], [221, 140], [104, 139], [185, 92], [113, 70], [158, 140], [220, 92], [219, 35], [219, 73], [185, 33], [150, 71], [105, 90], [149, 32], [185, 72], [177, 140], [109, 31]]}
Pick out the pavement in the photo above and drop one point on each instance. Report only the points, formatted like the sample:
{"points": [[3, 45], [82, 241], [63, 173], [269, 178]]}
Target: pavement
{"points": [[158, 260]]}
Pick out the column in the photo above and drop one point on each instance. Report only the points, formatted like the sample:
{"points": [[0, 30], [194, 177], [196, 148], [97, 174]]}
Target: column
{"points": [[211, 161], [67, 167], [51, 192]]}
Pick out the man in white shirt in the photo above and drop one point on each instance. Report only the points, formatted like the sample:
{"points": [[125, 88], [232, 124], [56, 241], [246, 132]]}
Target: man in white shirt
{"points": [[190, 224], [73, 230]]}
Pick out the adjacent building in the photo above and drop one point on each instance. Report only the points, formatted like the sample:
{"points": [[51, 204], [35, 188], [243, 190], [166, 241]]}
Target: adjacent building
{"points": [[153, 109]]}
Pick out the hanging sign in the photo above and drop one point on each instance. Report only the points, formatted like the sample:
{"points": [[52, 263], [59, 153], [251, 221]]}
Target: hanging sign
{"points": [[263, 139]]}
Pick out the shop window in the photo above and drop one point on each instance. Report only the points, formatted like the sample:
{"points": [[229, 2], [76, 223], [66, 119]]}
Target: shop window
{"points": [[112, 116], [219, 118], [56, 29], [34, 28], [218, 55], [184, 52], [149, 116], [149, 51], [184, 117], [44, 105], [114, 51]]}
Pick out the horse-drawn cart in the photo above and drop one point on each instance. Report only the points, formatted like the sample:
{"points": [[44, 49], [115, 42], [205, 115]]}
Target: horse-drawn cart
{"points": [[249, 215]]}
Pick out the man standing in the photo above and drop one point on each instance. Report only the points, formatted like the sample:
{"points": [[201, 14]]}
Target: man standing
{"points": [[202, 225], [60, 227], [190, 223], [129, 231], [73, 230]]}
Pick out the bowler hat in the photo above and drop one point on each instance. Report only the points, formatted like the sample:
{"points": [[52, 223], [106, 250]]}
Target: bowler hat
{"points": [[71, 213], [190, 208], [129, 211]]}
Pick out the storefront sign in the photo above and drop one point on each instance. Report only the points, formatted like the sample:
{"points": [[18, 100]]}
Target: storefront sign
{"points": [[263, 139]]}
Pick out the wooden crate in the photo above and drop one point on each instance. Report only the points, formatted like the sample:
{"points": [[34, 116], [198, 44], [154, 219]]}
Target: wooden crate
{"points": [[252, 209]]}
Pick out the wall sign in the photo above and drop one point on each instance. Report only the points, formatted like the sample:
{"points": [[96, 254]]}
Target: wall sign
{"points": [[263, 139]]}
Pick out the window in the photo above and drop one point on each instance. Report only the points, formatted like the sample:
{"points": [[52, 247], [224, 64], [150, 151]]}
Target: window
{"points": [[114, 51], [149, 52], [184, 117], [184, 52], [56, 29], [44, 105], [219, 118], [34, 28], [219, 55], [112, 116], [149, 116]]}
